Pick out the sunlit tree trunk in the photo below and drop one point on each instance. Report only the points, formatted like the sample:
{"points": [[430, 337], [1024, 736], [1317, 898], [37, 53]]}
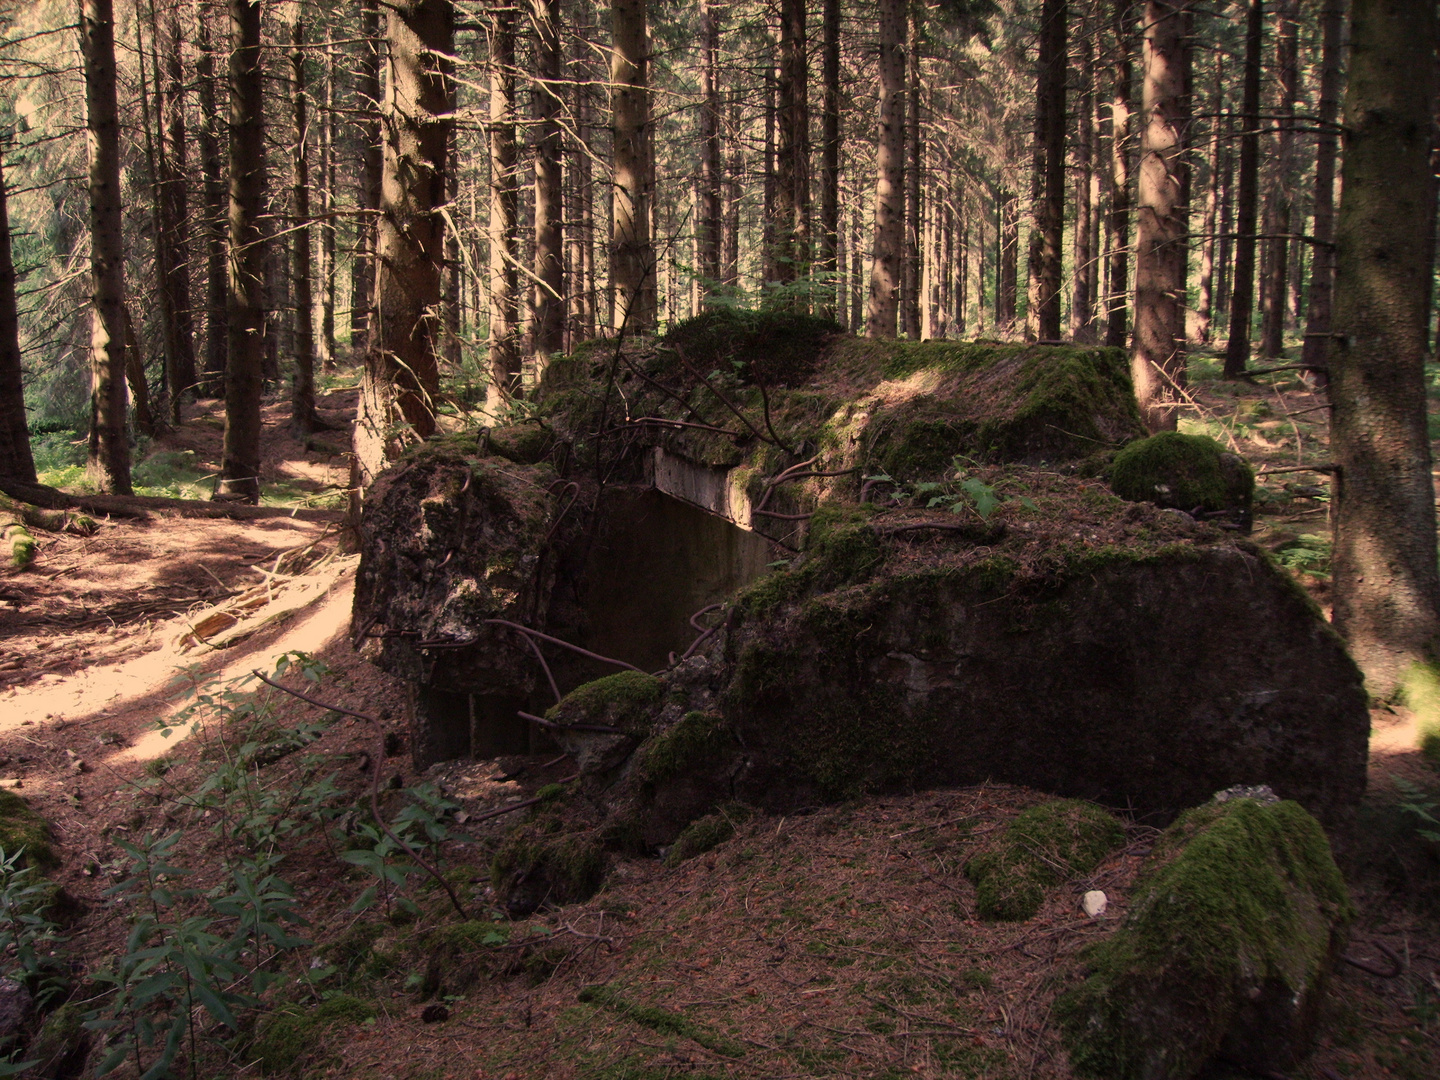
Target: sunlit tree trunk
{"points": [[548, 329], [1242, 298], [885, 267], [176, 212], [1082, 297], [632, 254], [1386, 589], [829, 261], [109, 454], [1157, 367], [1205, 297], [711, 176], [793, 163], [327, 228], [910, 283], [401, 378], [1272, 325]]}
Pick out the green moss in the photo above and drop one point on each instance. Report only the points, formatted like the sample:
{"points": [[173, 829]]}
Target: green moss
{"points": [[566, 867], [770, 347], [922, 448], [1039, 849], [60, 1045], [707, 833], [661, 1021], [626, 700], [1184, 472], [468, 936], [1420, 691], [298, 1036], [1239, 903], [22, 545], [22, 827], [695, 737], [524, 444]]}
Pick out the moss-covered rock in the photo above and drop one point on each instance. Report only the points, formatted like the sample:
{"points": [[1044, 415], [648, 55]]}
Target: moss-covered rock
{"points": [[297, 1040], [62, 1044], [1230, 937], [545, 864], [772, 347], [626, 700], [22, 827], [1044, 846], [707, 833], [1185, 472]]}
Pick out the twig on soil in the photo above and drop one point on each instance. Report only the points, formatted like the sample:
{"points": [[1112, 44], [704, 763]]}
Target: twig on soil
{"points": [[1324, 467], [1396, 967], [375, 785]]}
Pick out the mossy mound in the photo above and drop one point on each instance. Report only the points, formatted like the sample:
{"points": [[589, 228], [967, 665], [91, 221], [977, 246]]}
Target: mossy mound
{"points": [[1230, 937], [707, 833], [769, 347], [22, 827], [686, 747], [1042, 847], [626, 700], [457, 956], [296, 1040], [544, 864], [1185, 472]]}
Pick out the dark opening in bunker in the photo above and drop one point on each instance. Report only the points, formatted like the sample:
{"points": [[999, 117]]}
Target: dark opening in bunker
{"points": [[650, 563]]}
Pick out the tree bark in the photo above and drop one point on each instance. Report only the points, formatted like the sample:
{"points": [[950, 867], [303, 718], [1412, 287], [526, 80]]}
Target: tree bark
{"points": [[1122, 76], [1386, 589], [548, 329], [245, 315], [327, 207], [1157, 367], [793, 165], [890, 176], [711, 175], [367, 194], [632, 254], [1242, 298], [505, 363], [213, 196], [175, 213], [829, 262], [910, 282], [302, 392], [1204, 299], [16, 460], [401, 379], [1327, 144], [1082, 298], [1272, 323], [1043, 314], [109, 452]]}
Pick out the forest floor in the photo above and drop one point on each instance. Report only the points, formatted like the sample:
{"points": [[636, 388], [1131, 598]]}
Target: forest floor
{"points": [[840, 943]]}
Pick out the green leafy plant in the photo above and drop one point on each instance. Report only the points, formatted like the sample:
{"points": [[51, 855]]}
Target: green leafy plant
{"points": [[1421, 806], [27, 936]]}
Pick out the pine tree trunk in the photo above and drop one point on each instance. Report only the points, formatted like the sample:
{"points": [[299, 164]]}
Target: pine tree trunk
{"points": [[1043, 313], [1158, 366], [910, 300], [885, 267], [548, 329], [213, 196], [1008, 239], [711, 200], [302, 392], [582, 237], [505, 365], [830, 153], [367, 194], [16, 460], [1237, 348], [1272, 333], [1386, 589], [632, 255], [245, 304], [793, 118], [1322, 265], [176, 212], [109, 453], [402, 364], [734, 194], [1204, 299], [1122, 76], [1081, 302], [327, 209]]}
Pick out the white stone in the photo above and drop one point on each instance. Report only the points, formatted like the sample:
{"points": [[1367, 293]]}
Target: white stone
{"points": [[1093, 903]]}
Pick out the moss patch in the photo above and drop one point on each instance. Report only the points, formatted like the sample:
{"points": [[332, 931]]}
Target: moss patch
{"points": [[706, 833], [1239, 917], [542, 864], [773, 348], [695, 738], [1420, 691], [1041, 848], [661, 1021], [627, 701], [1184, 472], [297, 1037], [22, 827]]}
